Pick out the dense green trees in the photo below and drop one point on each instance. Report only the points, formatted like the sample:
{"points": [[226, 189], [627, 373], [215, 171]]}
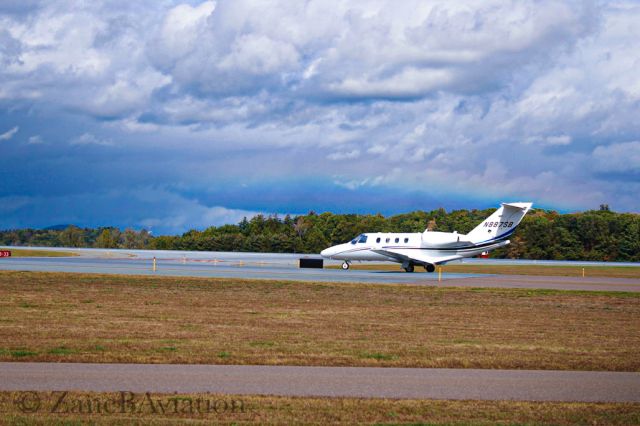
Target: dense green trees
{"points": [[592, 235]]}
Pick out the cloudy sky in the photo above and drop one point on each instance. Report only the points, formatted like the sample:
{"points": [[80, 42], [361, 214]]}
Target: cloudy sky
{"points": [[173, 115]]}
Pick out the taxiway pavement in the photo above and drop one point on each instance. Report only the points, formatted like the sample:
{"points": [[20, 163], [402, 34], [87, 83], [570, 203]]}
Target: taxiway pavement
{"points": [[369, 382], [285, 267]]}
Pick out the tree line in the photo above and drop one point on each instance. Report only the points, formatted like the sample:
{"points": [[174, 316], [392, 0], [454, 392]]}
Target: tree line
{"points": [[600, 235]]}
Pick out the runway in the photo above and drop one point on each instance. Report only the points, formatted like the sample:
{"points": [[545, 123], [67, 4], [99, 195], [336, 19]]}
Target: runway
{"points": [[285, 267], [217, 269], [290, 259], [361, 382]]}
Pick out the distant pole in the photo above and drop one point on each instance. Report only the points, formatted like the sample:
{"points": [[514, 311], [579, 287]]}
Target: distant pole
{"points": [[154, 264], [439, 273], [582, 272]]}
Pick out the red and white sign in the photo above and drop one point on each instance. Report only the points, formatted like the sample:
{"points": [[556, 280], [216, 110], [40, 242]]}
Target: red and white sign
{"points": [[5, 253]]}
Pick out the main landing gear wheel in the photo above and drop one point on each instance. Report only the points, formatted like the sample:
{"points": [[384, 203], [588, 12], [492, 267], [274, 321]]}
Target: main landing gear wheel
{"points": [[345, 266], [409, 268], [430, 267]]}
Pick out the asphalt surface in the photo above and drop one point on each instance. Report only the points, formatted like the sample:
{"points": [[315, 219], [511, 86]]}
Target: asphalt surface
{"points": [[218, 268], [285, 267], [367, 382], [290, 259]]}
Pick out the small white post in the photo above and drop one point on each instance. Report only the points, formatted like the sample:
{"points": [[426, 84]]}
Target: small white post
{"points": [[154, 264]]}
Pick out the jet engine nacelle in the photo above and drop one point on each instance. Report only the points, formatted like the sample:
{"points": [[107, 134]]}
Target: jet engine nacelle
{"points": [[442, 239]]}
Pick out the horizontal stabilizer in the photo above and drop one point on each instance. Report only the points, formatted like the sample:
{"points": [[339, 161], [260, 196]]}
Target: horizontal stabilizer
{"points": [[521, 206]]}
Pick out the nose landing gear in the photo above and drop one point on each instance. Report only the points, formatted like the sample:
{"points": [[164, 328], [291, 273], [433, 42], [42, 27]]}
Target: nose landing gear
{"points": [[345, 265]]}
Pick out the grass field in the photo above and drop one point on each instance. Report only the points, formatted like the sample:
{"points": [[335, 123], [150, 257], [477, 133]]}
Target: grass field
{"points": [[229, 409], [94, 318], [547, 270], [40, 253]]}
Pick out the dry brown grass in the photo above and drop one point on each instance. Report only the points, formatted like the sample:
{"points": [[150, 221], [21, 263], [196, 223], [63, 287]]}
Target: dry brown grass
{"points": [[546, 270], [236, 409], [107, 318]]}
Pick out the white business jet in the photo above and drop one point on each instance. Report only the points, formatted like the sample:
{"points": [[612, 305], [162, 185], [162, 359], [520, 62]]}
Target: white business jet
{"points": [[429, 248]]}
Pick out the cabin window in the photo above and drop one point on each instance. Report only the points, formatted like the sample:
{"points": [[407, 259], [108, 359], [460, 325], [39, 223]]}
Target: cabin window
{"points": [[406, 240], [363, 239], [397, 240], [387, 240], [378, 240]]}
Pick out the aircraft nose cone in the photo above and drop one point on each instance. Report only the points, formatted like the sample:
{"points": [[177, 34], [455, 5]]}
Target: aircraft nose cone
{"points": [[326, 252]]}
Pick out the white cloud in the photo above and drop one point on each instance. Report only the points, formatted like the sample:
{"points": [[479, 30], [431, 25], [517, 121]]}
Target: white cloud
{"points": [[369, 49], [180, 32], [555, 140], [86, 56], [132, 125], [90, 139], [182, 25], [617, 158], [179, 213], [344, 155], [257, 54], [9, 134], [355, 184], [35, 140], [373, 49], [377, 149], [195, 216]]}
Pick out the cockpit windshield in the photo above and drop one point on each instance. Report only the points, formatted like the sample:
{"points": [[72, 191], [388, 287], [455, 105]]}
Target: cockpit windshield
{"points": [[359, 239]]}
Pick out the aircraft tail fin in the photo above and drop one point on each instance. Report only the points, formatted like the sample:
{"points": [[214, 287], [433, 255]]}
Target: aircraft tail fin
{"points": [[500, 224]]}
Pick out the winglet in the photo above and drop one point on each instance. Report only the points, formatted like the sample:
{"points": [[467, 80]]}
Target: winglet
{"points": [[521, 206]]}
